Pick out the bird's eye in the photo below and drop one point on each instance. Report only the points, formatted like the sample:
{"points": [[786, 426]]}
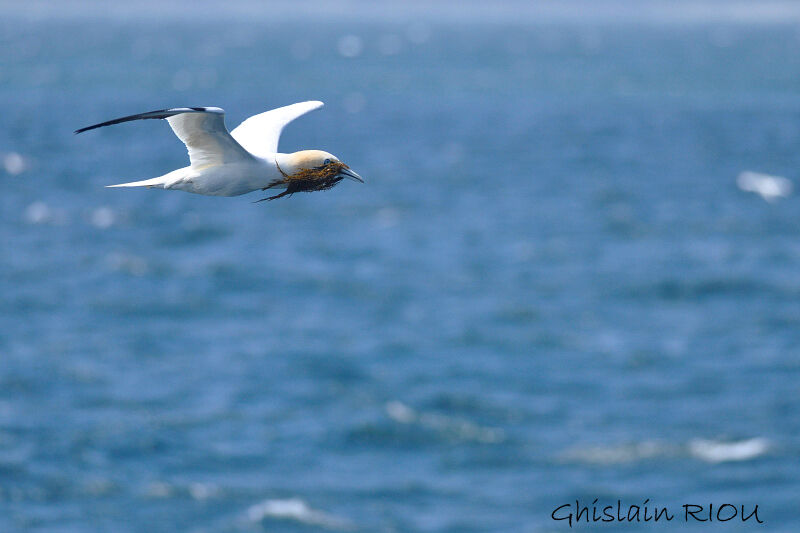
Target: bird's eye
{"points": [[326, 162]]}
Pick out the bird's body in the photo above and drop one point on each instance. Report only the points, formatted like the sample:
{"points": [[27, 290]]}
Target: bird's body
{"points": [[244, 160], [226, 179]]}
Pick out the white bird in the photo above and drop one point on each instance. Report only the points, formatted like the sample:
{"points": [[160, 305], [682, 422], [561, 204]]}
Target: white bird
{"points": [[246, 159]]}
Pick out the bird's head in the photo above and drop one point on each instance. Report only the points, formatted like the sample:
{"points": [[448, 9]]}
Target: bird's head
{"points": [[310, 163], [309, 170]]}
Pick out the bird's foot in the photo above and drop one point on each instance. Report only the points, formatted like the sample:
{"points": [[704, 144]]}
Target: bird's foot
{"points": [[284, 193]]}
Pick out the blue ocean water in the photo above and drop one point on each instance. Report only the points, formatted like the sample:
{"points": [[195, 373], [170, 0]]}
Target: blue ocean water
{"points": [[550, 287]]}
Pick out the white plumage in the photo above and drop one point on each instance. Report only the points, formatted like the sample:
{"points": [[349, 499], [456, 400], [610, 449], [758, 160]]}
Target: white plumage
{"points": [[226, 163], [260, 133]]}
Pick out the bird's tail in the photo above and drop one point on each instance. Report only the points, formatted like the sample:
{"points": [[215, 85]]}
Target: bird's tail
{"points": [[161, 182], [153, 182]]}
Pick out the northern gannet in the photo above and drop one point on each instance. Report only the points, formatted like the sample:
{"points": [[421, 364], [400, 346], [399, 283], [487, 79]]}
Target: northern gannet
{"points": [[246, 159]]}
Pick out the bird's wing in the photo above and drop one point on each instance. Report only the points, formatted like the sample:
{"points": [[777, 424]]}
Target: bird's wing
{"points": [[202, 130], [260, 133]]}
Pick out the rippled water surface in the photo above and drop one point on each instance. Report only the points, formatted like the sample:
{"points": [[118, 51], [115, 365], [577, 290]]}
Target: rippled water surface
{"points": [[550, 287]]}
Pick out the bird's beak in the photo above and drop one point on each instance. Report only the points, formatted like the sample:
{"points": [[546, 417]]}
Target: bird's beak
{"points": [[347, 173]]}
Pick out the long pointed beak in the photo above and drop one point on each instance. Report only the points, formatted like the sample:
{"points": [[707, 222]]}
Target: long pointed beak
{"points": [[347, 173]]}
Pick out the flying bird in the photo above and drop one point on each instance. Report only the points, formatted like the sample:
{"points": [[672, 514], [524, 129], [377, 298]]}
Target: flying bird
{"points": [[246, 159]]}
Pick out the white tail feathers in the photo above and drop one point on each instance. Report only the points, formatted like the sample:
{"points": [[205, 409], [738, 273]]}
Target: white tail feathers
{"points": [[166, 181], [154, 182]]}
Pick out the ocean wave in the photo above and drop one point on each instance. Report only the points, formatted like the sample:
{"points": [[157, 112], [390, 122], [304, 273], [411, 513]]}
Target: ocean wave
{"points": [[458, 428], [711, 451], [770, 188], [196, 490], [699, 289], [617, 454], [296, 510], [714, 451]]}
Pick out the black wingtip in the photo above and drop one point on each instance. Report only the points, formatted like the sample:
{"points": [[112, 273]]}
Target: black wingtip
{"points": [[161, 113], [92, 127]]}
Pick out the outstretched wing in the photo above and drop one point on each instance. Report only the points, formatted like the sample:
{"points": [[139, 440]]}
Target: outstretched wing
{"points": [[202, 130], [260, 133]]}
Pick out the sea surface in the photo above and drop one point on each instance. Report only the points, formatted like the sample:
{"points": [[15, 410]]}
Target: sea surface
{"points": [[550, 287]]}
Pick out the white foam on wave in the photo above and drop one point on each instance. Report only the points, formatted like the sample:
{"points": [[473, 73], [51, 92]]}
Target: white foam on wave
{"points": [[203, 491], [350, 45], [770, 188], [127, 263], [103, 217], [197, 490], [39, 212], [159, 489], [618, 454], [14, 163], [706, 450], [461, 429], [297, 510], [719, 451]]}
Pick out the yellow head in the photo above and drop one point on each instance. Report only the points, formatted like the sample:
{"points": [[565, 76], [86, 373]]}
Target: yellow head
{"points": [[316, 159]]}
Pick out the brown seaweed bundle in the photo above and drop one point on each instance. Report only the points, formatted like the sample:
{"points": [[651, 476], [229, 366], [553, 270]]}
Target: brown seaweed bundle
{"points": [[308, 179]]}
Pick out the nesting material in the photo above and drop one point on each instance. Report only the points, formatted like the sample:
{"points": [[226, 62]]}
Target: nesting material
{"points": [[308, 179]]}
